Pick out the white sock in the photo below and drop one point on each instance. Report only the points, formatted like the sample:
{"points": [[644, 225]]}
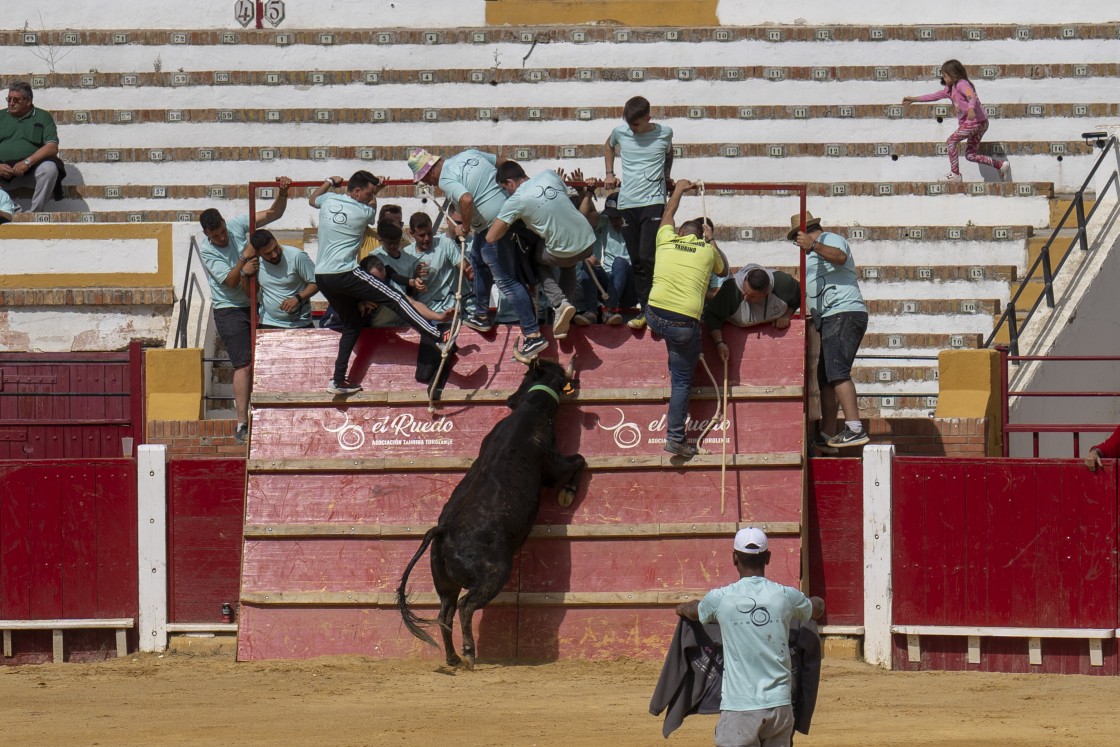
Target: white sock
{"points": [[242, 425], [854, 426]]}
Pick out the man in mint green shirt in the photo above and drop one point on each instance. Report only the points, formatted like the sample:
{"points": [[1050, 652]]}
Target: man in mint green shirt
{"points": [[542, 203], [286, 279], [646, 152], [754, 618]]}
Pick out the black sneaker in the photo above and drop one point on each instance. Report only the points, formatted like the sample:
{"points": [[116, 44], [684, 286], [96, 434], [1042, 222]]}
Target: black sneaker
{"points": [[241, 435], [681, 449], [343, 387], [478, 322], [531, 348], [820, 443], [848, 437]]}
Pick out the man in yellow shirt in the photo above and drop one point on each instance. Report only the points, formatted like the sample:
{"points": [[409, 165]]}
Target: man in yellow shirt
{"points": [[683, 266]]}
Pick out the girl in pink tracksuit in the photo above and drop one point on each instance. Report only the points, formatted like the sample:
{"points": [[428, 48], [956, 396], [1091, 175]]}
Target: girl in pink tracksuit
{"points": [[971, 118]]}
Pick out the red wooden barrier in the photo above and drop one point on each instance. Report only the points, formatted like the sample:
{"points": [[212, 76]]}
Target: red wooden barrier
{"points": [[70, 405], [205, 506], [834, 538], [339, 493], [1005, 543], [67, 550]]}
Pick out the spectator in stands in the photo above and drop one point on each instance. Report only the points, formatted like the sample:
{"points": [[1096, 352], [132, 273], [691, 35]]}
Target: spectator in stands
{"points": [[752, 295], [224, 255], [29, 148], [7, 207], [286, 280], [439, 260], [343, 219], [685, 262], [754, 616], [469, 179], [840, 315], [566, 238], [609, 263], [1107, 449], [391, 212], [972, 120], [646, 152]]}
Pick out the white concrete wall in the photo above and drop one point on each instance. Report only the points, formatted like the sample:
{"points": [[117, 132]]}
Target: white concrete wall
{"points": [[219, 14]]}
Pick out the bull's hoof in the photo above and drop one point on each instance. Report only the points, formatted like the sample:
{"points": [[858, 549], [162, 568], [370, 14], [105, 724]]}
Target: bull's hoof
{"points": [[453, 660], [565, 497], [468, 662]]}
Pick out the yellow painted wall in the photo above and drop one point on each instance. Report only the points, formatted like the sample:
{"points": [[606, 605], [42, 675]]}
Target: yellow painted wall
{"points": [[95, 232], [623, 12], [173, 383], [969, 387]]}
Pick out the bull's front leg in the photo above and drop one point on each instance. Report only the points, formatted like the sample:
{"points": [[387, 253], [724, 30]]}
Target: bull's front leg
{"points": [[565, 471]]}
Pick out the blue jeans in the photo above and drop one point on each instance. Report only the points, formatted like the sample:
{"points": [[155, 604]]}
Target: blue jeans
{"points": [[684, 343], [497, 264], [619, 284]]}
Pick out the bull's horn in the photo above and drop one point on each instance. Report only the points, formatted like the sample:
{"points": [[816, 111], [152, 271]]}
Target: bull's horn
{"points": [[570, 371]]}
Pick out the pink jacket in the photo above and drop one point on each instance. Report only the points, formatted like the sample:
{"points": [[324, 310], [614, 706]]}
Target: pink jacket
{"points": [[963, 95]]}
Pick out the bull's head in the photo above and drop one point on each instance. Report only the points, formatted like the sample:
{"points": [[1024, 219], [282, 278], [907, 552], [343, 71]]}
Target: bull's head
{"points": [[544, 372]]}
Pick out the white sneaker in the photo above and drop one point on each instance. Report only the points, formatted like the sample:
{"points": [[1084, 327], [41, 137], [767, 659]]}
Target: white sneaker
{"points": [[1005, 171], [951, 178], [563, 320]]}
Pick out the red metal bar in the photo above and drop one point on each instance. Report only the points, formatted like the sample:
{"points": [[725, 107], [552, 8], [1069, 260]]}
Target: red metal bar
{"points": [[1061, 428], [1076, 445], [1034, 438], [1003, 406], [1017, 393], [136, 388], [1016, 358]]}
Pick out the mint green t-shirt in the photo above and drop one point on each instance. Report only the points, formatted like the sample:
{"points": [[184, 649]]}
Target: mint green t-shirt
{"points": [[404, 265], [6, 204], [643, 158], [753, 615], [609, 244], [543, 203], [832, 289], [443, 273], [278, 282], [219, 260], [342, 227], [476, 173]]}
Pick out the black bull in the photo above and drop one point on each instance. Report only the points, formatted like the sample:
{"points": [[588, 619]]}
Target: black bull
{"points": [[491, 511]]}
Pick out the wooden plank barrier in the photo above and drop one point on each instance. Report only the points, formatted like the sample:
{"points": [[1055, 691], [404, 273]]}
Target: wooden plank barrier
{"points": [[340, 490]]}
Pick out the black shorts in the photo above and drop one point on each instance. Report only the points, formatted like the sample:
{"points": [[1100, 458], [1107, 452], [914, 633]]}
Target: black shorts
{"points": [[841, 335], [235, 329]]}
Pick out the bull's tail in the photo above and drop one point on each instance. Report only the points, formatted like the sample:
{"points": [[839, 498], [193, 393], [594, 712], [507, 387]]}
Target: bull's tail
{"points": [[411, 621]]}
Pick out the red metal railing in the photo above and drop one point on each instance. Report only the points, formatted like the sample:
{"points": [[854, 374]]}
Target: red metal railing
{"points": [[1074, 429]]}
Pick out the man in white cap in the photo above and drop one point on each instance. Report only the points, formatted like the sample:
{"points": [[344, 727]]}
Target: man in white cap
{"points": [[469, 179], [754, 618]]}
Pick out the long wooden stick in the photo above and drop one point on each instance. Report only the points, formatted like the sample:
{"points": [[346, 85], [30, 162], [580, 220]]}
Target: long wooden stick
{"points": [[603, 295], [723, 456]]}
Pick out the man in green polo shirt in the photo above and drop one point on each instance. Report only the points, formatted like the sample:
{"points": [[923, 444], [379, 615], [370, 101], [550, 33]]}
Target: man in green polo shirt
{"points": [[28, 147]]}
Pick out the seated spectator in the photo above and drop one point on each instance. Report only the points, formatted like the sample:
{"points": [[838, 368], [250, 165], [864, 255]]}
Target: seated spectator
{"points": [[29, 148], [400, 267], [609, 261], [438, 261], [753, 295], [7, 207], [286, 280]]}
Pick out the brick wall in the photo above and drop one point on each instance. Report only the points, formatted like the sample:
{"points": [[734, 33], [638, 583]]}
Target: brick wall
{"points": [[960, 437], [196, 438]]}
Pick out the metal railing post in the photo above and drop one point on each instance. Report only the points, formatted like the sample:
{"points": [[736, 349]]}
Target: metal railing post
{"points": [[1012, 329], [1003, 408], [1082, 229], [1047, 276]]}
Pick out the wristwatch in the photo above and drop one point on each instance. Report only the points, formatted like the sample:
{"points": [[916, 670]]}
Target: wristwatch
{"points": [[27, 162]]}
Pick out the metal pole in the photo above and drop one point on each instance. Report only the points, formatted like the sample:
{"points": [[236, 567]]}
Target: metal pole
{"points": [[1003, 408]]}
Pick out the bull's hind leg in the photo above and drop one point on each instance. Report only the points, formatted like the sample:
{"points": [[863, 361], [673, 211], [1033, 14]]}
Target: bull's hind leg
{"points": [[448, 592], [477, 597], [565, 471]]}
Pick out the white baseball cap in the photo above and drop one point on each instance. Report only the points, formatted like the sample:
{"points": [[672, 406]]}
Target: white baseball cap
{"points": [[751, 540]]}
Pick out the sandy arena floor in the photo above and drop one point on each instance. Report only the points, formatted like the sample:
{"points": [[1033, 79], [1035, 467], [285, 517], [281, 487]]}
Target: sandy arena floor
{"points": [[183, 699]]}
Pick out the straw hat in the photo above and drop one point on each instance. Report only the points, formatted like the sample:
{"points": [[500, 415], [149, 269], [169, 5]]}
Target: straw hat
{"points": [[795, 224]]}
